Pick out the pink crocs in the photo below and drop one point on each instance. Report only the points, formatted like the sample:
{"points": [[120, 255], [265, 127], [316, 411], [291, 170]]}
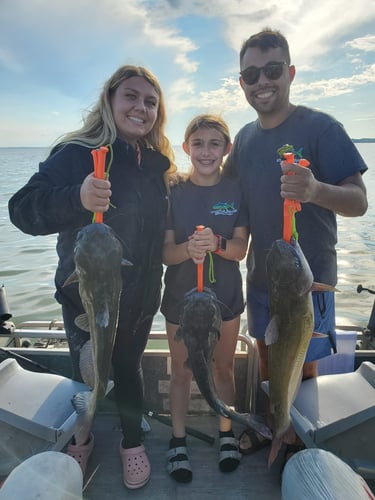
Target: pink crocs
{"points": [[81, 453], [136, 466]]}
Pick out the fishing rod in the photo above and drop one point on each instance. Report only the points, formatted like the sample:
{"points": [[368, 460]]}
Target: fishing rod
{"points": [[361, 288], [189, 430], [369, 331], [161, 418], [27, 362]]}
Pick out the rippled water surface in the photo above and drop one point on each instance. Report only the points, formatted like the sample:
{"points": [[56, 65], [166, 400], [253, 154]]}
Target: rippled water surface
{"points": [[28, 263]]}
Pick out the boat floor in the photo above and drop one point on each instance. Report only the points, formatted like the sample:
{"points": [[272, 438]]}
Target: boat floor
{"points": [[251, 480]]}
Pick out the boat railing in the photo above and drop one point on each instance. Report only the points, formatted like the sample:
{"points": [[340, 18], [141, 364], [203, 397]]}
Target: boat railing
{"points": [[45, 342], [54, 331]]}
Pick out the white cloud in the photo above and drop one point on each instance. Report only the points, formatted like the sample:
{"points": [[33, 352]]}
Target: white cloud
{"points": [[332, 87], [229, 97], [365, 43], [58, 52], [312, 29], [369, 118]]}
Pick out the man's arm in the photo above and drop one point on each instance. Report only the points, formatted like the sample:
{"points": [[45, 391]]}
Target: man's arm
{"points": [[347, 198]]}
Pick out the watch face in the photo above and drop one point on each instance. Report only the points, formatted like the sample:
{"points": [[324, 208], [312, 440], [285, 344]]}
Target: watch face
{"points": [[223, 244]]}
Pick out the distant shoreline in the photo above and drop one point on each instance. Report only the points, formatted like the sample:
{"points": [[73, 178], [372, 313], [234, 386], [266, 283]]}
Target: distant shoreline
{"points": [[360, 141]]}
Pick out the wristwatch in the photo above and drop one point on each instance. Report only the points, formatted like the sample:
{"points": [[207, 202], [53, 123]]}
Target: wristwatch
{"points": [[221, 244]]}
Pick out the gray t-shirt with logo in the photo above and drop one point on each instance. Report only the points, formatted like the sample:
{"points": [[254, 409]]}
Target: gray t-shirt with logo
{"points": [[221, 208]]}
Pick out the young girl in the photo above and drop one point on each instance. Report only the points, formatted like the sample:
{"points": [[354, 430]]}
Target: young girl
{"points": [[129, 118], [204, 198]]}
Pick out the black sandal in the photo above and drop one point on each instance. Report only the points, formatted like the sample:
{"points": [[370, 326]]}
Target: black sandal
{"points": [[178, 465], [229, 454]]}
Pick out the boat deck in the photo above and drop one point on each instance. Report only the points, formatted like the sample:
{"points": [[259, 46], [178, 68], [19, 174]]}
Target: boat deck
{"points": [[251, 480]]}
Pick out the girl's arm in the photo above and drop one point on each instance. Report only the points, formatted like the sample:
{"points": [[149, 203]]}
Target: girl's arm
{"points": [[172, 253], [176, 254], [202, 242], [236, 248]]}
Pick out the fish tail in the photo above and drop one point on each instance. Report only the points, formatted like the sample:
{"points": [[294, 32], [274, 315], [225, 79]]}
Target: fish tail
{"points": [[83, 405], [275, 448], [259, 425], [81, 402]]}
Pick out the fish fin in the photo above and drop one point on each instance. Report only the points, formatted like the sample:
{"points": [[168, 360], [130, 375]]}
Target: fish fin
{"points": [[215, 333], [82, 321], [290, 436], [258, 424], [125, 262], [73, 278], [319, 335], [275, 448], [80, 402], [272, 331], [323, 287]]}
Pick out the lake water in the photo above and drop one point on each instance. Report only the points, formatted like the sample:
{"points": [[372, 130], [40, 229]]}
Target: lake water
{"points": [[28, 263]]}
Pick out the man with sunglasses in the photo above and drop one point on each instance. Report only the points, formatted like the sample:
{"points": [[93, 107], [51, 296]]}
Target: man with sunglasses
{"points": [[332, 185]]}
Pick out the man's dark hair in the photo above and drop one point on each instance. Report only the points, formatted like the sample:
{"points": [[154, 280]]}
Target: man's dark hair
{"points": [[265, 40]]}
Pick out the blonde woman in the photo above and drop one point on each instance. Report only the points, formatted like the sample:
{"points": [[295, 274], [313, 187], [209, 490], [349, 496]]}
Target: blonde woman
{"points": [[129, 119]]}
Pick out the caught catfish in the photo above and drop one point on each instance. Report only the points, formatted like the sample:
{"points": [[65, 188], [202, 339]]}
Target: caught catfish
{"points": [[200, 324], [98, 261], [290, 282]]}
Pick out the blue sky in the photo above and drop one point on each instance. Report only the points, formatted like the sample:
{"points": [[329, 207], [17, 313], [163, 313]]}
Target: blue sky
{"points": [[56, 55]]}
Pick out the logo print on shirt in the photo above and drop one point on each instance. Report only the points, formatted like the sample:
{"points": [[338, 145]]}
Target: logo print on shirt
{"points": [[224, 208], [288, 148]]}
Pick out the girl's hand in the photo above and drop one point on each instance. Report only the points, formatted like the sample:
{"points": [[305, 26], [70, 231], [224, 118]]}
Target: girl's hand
{"points": [[201, 242], [95, 194], [206, 239], [195, 250]]}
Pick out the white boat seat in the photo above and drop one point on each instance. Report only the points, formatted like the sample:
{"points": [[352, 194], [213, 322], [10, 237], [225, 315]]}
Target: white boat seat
{"points": [[337, 413], [36, 413], [44, 476], [316, 474]]}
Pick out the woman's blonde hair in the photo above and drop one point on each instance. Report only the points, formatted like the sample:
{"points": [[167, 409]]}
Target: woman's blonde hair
{"points": [[99, 127]]}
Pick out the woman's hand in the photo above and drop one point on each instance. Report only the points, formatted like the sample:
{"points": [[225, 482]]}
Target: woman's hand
{"points": [[95, 194]]}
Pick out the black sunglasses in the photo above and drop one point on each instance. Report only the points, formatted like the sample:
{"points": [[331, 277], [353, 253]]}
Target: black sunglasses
{"points": [[272, 70]]}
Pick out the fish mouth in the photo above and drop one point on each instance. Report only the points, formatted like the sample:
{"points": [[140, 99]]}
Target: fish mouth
{"points": [[287, 267], [283, 259]]}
